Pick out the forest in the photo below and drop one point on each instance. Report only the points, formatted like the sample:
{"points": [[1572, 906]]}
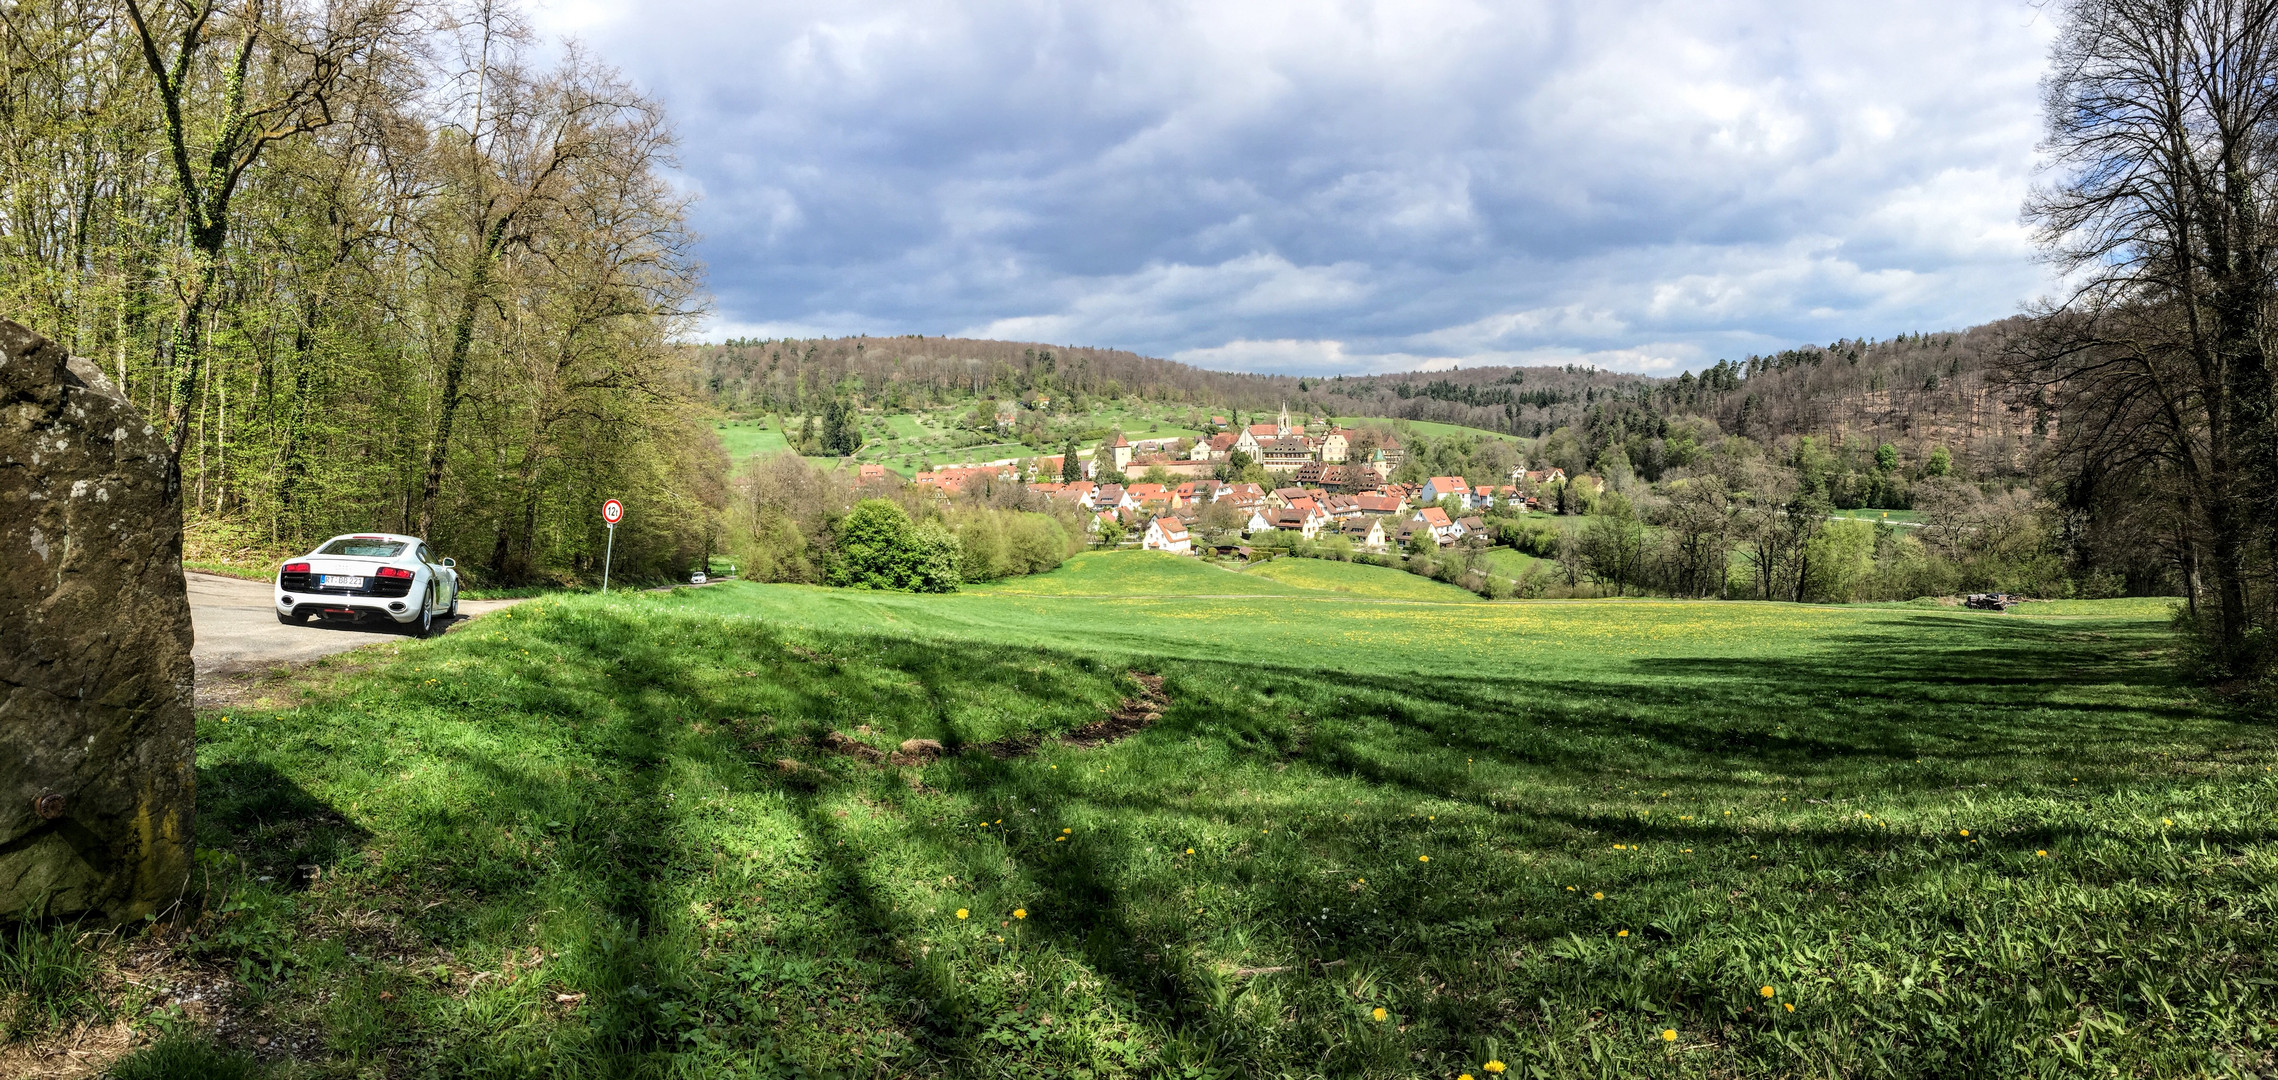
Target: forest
{"points": [[372, 264]]}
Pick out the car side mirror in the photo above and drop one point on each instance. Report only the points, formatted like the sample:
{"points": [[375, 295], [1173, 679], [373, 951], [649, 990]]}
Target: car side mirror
{"points": [[452, 563]]}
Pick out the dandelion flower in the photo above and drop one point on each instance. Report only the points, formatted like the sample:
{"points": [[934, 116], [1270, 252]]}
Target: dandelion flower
{"points": [[1767, 991], [1791, 1007], [1423, 858], [1622, 933], [1570, 888], [1493, 1066], [1190, 851], [1065, 832], [1377, 1012], [1965, 832], [2043, 853], [962, 913], [1670, 1034], [1597, 896], [1020, 913], [2167, 821]]}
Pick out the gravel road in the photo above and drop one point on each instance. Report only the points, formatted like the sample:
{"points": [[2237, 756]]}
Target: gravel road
{"points": [[237, 629]]}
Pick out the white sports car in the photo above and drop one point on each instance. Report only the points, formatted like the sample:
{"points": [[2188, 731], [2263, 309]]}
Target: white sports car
{"points": [[370, 576]]}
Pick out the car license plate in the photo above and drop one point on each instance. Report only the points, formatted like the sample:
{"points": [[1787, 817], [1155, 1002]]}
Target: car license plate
{"points": [[340, 581]]}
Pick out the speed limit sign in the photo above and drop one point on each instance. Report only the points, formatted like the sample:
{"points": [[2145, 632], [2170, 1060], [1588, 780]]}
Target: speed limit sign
{"points": [[611, 512]]}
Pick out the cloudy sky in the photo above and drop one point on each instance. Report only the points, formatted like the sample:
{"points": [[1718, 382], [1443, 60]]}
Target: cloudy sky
{"points": [[1351, 185]]}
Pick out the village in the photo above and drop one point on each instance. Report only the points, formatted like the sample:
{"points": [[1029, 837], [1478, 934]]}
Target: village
{"points": [[1324, 482]]}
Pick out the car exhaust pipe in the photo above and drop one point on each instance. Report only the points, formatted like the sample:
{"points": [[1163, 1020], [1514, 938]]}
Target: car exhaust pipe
{"points": [[397, 606]]}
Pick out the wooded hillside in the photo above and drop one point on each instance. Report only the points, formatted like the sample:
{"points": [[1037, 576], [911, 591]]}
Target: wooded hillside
{"points": [[1917, 391]]}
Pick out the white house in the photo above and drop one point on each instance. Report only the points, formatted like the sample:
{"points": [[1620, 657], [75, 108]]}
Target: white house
{"points": [[1168, 534], [1366, 533], [1435, 519], [1440, 487]]}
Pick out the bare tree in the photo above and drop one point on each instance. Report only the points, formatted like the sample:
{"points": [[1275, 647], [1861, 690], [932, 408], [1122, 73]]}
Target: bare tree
{"points": [[2160, 146]]}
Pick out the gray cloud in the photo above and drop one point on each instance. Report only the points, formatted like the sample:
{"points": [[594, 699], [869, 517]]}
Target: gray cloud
{"points": [[1291, 185]]}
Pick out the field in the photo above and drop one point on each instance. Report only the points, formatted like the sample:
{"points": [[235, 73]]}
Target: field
{"points": [[1358, 580], [1389, 839], [1895, 517]]}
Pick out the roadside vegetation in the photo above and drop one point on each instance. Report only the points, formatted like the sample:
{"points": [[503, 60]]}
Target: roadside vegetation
{"points": [[634, 837]]}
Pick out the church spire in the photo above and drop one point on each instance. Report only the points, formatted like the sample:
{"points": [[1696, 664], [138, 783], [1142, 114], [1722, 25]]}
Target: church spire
{"points": [[1281, 430]]}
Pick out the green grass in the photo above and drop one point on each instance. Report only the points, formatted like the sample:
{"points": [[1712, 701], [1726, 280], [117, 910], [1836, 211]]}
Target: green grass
{"points": [[559, 841], [1896, 517], [1358, 580], [749, 438], [1510, 562], [1137, 574]]}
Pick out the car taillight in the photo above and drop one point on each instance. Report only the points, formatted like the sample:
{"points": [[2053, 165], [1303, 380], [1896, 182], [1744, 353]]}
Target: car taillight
{"points": [[296, 568], [389, 571]]}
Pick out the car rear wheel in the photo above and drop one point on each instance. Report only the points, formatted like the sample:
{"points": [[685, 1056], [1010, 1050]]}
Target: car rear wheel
{"points": [[425, 627]]}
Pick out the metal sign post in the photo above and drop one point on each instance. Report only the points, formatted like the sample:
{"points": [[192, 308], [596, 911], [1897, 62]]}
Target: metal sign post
{"points": [[612, 512]]}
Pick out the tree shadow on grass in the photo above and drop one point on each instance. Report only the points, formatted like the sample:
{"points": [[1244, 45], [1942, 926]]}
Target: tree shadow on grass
{"points": [[624, 843], [280, 829]]}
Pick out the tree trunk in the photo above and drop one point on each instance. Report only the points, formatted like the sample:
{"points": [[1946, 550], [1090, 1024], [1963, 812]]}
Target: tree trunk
{"points": [[454, 371]]}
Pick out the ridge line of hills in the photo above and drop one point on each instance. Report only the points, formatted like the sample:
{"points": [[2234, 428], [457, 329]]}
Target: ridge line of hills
{"points": [[1916, 391]]}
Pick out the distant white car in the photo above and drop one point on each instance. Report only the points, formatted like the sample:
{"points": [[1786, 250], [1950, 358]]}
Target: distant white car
{"points": [[369, 576], [697, 578]]}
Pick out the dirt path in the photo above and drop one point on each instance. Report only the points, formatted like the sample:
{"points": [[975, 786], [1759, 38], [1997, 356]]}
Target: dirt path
{"points": [[237, 629]]}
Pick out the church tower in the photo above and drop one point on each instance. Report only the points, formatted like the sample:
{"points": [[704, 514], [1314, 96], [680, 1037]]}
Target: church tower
{"points": [[1281, 430]]}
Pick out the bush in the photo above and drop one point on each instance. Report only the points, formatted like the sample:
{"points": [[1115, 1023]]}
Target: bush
{"points": [[997, 544], [876, 547]]}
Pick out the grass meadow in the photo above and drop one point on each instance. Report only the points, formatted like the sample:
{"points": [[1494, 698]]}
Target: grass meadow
{"points": [[1398, 838]]}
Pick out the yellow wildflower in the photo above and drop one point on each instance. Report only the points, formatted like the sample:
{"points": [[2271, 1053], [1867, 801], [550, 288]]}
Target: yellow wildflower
{"points": [[1670, 1034], [1493, 1066], [1767, 991], [2043, 853], [1020, 913], [1622, 933], [1423, 858], [1377, 1012], [1597, 896], [1791, 1007], [962, 913]]}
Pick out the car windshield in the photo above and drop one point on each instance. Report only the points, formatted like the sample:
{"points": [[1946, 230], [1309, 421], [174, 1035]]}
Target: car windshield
{"points": [[368, 547]]}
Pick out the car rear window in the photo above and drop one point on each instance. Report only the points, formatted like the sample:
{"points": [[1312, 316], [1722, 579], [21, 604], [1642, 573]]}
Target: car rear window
{"points": [[366, 548]]}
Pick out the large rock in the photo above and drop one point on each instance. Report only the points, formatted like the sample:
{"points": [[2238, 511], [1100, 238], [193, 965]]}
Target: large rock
{"points": [[96, 782]]}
